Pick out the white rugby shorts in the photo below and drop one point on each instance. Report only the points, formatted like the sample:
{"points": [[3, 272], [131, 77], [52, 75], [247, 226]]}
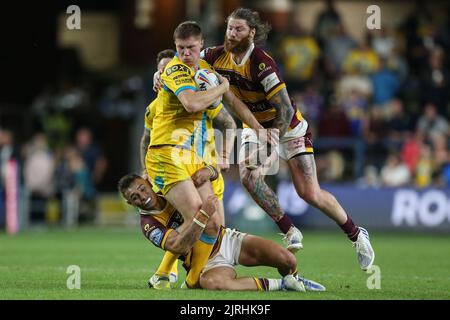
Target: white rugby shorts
{"points": [[296, 141], [230, 249]]}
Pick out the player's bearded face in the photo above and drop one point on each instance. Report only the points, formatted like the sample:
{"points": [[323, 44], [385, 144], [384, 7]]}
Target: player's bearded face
{"points": [[239, 36], [240, 46]]}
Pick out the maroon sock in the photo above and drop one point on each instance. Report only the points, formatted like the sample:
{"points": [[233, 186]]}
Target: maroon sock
{"points": [[350, 229], [285, 223]]}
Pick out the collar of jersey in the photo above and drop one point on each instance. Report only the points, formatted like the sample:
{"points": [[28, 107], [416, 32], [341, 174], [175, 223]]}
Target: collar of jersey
{"points": [[247, 55]]}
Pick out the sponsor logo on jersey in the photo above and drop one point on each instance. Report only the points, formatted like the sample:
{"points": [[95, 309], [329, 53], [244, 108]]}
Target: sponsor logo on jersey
{"points": [[270, 81], [264, 70], [156, 236], [177, 67], [183, 81]]}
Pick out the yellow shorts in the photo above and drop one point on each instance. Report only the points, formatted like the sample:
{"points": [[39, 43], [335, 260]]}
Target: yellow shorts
{"points": [[218, 186], [169, 165]]}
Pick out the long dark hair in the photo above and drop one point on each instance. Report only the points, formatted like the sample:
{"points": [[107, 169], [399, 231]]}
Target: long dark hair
{"points": [[254, 22]]}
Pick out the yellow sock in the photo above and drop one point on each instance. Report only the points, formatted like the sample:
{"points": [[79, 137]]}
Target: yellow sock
{"points": [[200, 254], [168, 264], [174, 269]]}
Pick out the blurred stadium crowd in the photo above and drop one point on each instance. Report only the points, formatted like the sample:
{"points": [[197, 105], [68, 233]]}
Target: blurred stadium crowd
{"points": [[379, 110], [389, 91]]}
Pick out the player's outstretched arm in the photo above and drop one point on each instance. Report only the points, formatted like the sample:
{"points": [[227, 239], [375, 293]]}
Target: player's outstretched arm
{"points": [[282, 103], [181, 243], [241, 110], [247, 117]]}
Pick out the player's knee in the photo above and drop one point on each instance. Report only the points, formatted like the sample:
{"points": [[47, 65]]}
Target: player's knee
{"points": [[212, 283], [206, 282], [288, 259], [311, 196]]}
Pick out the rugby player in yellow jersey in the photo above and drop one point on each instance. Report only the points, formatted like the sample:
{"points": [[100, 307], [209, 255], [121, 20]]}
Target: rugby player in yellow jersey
{"points": [[218, 118], [255, 79], [176, 148], [166, 229], [162, 59]]}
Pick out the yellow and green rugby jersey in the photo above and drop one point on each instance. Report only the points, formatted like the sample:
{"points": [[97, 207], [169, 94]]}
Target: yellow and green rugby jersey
{"points": [[172, 124], [205, 144]]}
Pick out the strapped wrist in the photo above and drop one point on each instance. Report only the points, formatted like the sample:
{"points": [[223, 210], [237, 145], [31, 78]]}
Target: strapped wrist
{"points": [[214, 174], [203, 212], [200, 224]]}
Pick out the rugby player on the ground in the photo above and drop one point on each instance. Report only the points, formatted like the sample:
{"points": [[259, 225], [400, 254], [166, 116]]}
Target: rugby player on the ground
{"points": [[165, 228]]}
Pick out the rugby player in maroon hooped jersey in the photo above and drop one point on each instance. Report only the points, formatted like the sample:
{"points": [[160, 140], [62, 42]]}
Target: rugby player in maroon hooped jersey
{"points": [[255, 79], [163, 226]]}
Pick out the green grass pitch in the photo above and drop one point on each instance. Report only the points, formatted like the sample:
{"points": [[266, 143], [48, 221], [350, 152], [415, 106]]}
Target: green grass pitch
{"points": [[116, 263]]}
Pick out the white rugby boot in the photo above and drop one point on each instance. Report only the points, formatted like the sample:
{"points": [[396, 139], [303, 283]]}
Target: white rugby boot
{"points": [[291, 283], [364, 250], [162, 282], [311, 285], [293, 239]]}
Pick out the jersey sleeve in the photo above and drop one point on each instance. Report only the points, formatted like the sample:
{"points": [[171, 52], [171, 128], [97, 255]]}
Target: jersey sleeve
{"points": [[177, 78], [265, 71], [211, 54], [154, 231]]}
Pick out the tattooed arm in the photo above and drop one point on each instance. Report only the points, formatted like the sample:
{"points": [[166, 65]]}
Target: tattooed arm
{"points": [[145, 141], [225, 123], [282, 103], [182, 242]]}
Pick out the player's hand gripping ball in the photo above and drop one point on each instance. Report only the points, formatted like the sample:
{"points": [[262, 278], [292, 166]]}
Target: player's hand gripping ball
{"points": [[205, 80]]}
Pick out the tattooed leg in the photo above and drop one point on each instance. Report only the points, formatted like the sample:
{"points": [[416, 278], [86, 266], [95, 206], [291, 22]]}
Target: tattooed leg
{"points": [[304, 176], [254, 182]]}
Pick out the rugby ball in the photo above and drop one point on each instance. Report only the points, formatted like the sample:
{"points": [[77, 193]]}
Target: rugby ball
{"points": [[205, 80]]}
